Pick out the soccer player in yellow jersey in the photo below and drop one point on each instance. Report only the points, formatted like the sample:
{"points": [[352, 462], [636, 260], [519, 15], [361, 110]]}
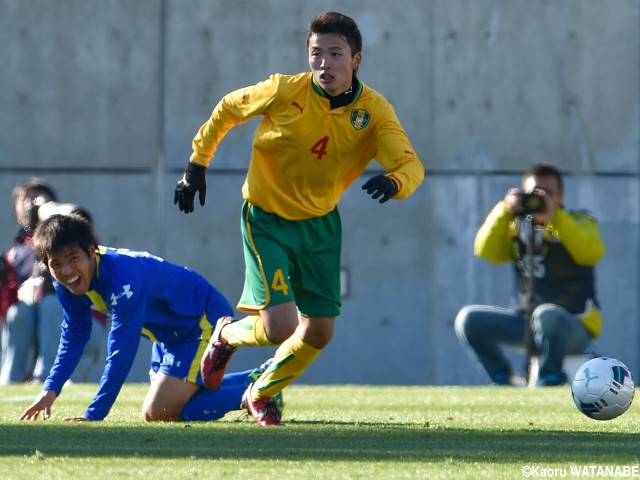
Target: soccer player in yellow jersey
{"points": [[319, 131]]}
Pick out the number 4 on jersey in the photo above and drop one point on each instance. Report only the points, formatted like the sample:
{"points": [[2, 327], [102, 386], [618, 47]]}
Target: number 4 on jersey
{"points": [[279, 283], [320, 147]]}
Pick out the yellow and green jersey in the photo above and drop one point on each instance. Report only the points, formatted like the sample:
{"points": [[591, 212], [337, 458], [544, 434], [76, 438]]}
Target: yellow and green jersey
{"points": [[563, 259], [305, 154]]}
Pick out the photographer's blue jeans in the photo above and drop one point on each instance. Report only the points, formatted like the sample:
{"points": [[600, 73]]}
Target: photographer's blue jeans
{"points": [[486, 329]]}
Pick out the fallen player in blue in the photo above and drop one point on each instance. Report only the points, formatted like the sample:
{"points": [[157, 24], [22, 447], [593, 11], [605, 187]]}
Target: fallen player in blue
{"points": [[172, 305]]}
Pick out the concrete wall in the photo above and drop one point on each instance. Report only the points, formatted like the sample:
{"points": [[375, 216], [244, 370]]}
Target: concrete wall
{"points": [[102, 98]]}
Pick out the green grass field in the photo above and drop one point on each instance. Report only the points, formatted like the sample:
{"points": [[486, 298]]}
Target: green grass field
{"points": [[337, 432]]}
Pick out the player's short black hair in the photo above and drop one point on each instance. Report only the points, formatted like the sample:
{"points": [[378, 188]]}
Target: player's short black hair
{"points": [[60, 231], [545, 170], [334, 22]]}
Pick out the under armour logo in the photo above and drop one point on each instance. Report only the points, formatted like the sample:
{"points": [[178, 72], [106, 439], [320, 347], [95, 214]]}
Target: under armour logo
{"points": [[126, 292]]}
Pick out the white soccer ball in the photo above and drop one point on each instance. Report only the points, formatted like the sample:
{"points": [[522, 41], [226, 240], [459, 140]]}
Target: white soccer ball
{"points": [[603, 388]]}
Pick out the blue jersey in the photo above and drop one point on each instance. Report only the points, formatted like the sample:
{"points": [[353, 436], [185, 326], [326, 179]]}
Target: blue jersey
{"points": [[144, 295]]}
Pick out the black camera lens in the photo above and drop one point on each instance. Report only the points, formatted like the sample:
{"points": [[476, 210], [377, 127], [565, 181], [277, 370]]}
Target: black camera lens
{"points": [[531, 203]]}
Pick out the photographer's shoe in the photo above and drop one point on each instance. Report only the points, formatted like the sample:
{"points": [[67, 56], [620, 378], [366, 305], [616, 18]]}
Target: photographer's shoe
{"points": [[504, 380], [553, 380]]}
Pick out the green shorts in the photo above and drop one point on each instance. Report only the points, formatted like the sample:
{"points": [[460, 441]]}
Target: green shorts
{"points": [[291, 261]]}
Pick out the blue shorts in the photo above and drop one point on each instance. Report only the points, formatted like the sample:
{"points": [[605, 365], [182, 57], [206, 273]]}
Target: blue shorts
{"points": [[181, 359], [163, 360]]}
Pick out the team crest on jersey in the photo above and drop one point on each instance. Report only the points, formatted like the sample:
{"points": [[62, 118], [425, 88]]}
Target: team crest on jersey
{"points": [[360, 118]]}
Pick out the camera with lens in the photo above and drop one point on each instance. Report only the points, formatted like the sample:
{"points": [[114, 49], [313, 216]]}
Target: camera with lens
{"points": [[41, 208], [531, 203]]}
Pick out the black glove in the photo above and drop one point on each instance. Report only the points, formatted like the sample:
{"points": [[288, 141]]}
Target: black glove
{"points": [[381, 186], [193, 180]]}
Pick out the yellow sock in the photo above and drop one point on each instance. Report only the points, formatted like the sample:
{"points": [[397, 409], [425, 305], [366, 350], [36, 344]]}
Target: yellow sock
{"points": [[247, 332], [290, 361]]}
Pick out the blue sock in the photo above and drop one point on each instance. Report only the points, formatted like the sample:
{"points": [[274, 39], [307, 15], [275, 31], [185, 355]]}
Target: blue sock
{"points": [[208, 405], [240, 378]]}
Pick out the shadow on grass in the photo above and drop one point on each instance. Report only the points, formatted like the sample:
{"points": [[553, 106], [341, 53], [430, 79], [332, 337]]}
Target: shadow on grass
{"points": [[315, 441]]}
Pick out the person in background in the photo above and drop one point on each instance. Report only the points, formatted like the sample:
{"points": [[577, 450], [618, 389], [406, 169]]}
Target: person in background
{"points": [[563, 306], [319, 132], [31, 331]]}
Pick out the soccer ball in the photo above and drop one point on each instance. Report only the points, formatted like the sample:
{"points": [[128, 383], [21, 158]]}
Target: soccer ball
{"points": [[602, 388]]}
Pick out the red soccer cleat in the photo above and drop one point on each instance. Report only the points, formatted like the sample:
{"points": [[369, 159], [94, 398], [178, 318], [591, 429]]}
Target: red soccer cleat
{"points": [[216, 357], [266, 410]]}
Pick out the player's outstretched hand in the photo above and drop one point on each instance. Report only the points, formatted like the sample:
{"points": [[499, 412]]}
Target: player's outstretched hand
{"points": [[41, 404], [382, 187], [193, 180]]}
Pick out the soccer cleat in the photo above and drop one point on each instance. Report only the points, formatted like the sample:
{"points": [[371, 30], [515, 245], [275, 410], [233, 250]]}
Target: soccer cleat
{"points": [[266, 410], [216, 357], [257, 372]]}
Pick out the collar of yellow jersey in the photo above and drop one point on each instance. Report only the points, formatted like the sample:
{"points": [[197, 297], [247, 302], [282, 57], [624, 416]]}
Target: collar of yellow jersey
{"points": [[322, 93]]}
